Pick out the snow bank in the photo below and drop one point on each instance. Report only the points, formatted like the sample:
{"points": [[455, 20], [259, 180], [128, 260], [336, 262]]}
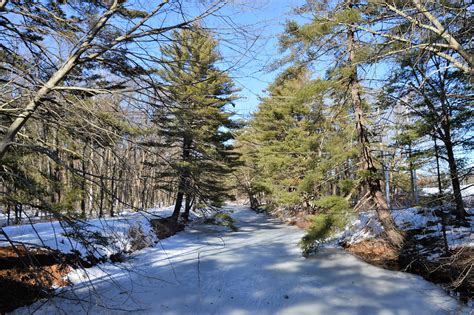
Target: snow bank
{"points": [[257, 270], [102, 237], [367, 226], [99, 238], [466, 190]]}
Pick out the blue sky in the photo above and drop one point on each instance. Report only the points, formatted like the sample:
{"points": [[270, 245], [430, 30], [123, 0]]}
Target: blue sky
{"points": [[250, 53], [264, 19], [247, 31]]}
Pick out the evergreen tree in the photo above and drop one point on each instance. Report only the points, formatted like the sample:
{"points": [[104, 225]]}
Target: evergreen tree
{"points": [[332, 31], [196, 121], [298, 142], [299, 154], [437, 98]]}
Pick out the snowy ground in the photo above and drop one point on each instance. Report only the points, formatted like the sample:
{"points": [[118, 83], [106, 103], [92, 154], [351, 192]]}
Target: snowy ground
{"points": [[367, 226], [257, 270], [466, 190], [60, 235]]}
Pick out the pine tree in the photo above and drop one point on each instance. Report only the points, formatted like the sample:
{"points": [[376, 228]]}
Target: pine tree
{"points": [[280, 131], [196, 121], [437, 98], [332, 30], [298, 145]]}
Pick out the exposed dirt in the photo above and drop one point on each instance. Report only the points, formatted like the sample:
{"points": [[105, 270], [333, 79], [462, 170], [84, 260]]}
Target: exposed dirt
{"points": [[301, 219], [303, 223], [166, 227], [27, 274], [376, 252], [454, 270]]}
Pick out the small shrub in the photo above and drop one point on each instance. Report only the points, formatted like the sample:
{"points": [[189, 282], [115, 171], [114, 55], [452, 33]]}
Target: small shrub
{"points": [[138, 238], [222, 219], [334, 214]]}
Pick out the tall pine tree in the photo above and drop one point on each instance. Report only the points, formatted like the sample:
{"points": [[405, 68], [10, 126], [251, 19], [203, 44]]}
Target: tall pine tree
{"points": [[332, 33], [196, 121]]}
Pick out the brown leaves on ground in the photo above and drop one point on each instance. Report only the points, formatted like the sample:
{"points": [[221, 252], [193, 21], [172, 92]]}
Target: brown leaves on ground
{"points": [[375, 251], [302, 223], [166, 227], [454, 270], [27, 274]]}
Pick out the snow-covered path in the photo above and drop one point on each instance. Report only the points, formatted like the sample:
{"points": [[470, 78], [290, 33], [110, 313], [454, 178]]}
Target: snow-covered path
{"points": [[257, 270]]}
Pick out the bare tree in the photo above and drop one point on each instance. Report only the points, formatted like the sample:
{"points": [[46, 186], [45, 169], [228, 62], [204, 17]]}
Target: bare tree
{"points": [[105, 34]]}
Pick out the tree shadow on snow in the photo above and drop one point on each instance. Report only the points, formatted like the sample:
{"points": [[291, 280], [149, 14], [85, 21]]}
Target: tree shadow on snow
{"points": [[258, 270]]}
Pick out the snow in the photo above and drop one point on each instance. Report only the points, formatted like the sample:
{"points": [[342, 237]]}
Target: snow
{"points": [[366, 226], [256, 270], [466, 190], [57, 235]]}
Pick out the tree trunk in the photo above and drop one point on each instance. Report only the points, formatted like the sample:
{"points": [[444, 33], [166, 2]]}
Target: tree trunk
{"points": [[101, 198], [9, 209], [453, 173], [91, 187], [187, 207], [57, 169], [414, 189], [395, 237], [179, 199], [113, 190], [83, 183], [386, 172], [183, 177], [438, 173]]}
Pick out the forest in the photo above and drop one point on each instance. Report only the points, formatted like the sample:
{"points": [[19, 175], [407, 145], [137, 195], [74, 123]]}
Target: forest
{"points": [[138, 137]]}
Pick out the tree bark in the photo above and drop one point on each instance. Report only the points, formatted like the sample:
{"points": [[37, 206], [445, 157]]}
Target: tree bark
{"points": [[183, 177], [57, 77], [83, 182], [453, 173], [3, 3], [414, 189], [438, 173], [448, 143], [187, 207], [113, 188], [101, 197], [394, 236]]}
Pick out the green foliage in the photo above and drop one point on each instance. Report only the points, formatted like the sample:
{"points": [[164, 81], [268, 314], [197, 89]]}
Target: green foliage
{"points": [[298, 143], [348, 16], [334, 215], [332, 204], [70, 201], [321, 228], [346, 186], [369, 175], [223, 219], [197, 119]]}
